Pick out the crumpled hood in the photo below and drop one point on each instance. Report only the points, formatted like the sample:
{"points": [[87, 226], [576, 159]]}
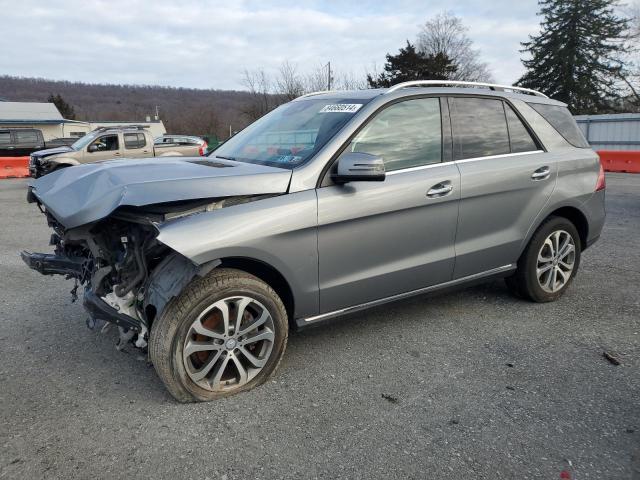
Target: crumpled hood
{"points": [[85, 193], [47, 152]]}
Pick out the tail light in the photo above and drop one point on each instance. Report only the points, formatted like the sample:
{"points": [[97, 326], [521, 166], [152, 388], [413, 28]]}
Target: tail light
{"points": [[601, 184], [203, 149]]}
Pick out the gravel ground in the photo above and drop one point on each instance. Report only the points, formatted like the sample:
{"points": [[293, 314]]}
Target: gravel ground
{"points": [[474, 384]]}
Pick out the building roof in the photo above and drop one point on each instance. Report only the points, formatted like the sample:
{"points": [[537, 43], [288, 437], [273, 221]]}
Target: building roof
{"points": [[29, 111]]}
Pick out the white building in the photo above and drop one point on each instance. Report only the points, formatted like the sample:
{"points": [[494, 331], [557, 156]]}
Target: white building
{"points": [[47, 118]]}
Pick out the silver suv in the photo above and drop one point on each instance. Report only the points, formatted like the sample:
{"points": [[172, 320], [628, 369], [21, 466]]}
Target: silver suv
{"points": [[332, 203]]}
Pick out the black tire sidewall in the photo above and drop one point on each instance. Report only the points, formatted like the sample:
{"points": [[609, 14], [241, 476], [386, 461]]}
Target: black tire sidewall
{"points": [[196, 300], [532, 286]]}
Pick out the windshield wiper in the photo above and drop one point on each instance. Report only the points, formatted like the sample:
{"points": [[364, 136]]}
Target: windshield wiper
{"points": [[225, 158]]}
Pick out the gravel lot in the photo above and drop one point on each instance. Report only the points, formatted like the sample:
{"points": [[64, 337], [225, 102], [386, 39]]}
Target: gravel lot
{"points": [[474, 384]]}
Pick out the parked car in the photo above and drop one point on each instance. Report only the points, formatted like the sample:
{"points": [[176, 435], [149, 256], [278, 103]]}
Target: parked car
{"points": [[169, 141], [330, 204], [21, 142], [106, 143]]}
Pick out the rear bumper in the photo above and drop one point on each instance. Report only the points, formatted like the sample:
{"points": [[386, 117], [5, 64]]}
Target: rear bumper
{"points": [[594, 210]]}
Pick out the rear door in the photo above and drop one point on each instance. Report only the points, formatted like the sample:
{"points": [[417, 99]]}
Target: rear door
{"points": [[136, 145], [27, 141], [506, 178], [378, 239]]}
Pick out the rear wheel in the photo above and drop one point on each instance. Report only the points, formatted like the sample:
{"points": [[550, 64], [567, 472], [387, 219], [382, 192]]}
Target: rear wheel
{"points": [[224, 334], [549, 263]]}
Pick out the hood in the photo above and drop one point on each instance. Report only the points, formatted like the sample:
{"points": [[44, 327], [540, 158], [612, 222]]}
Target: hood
{"points": [[47, 152], [85, 193]]}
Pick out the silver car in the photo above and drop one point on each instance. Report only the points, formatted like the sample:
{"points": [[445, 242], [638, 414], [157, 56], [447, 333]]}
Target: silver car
{"points": [[332, 203]]}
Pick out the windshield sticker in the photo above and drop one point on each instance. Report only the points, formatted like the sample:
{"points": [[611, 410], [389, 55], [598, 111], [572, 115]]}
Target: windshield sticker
{"points": [[341, 108]]}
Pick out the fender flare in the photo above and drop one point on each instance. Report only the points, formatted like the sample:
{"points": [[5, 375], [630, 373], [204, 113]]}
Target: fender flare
{"points": [[58, 161]]}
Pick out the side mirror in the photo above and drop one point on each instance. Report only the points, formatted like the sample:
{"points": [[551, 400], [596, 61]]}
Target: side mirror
{"points": [[359, 167], [92, 148]]}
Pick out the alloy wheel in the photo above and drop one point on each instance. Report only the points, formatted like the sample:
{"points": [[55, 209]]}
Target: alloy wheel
{"points": [[556, 260], [228, 344]]}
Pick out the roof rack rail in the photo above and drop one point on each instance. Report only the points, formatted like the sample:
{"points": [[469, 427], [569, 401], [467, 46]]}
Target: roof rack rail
{"points": [[456, 83], [319, 92], [115, 127]]}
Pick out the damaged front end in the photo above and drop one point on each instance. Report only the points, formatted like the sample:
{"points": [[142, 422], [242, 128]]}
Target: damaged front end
{"points": [[127, 275]]}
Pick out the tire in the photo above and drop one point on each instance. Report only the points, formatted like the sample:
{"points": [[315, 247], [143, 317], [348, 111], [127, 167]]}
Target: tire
{"points": [[526, 283], [196, 318]]}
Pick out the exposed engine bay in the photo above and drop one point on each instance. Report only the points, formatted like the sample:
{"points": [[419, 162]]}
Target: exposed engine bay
{"points": [[126, 274]]}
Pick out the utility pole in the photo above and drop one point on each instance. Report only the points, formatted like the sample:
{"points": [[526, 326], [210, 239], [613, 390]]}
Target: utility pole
{"points": [[328, 75], [157, 113]]}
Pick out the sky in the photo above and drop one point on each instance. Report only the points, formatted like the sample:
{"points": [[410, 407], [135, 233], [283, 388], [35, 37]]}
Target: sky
{"points": [[208, 44]]}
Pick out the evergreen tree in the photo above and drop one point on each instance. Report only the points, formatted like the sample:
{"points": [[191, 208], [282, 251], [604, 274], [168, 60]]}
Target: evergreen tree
{"points": [[577, 57], [65, 109], [409, 64]]}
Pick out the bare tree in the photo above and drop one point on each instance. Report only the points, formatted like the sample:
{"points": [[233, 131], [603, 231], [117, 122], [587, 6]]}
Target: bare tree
{"points": [[317, 79], [289, 84], [446, 34], [260, 97]]}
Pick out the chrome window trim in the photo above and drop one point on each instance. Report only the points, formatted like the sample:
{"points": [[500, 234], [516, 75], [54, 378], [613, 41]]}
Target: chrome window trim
{"points": [[489, 157], [474, 159], [400, 296], [419, 167]]}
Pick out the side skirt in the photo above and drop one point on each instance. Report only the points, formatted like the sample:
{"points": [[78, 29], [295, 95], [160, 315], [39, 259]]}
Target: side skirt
{"points": [[452, 284]]}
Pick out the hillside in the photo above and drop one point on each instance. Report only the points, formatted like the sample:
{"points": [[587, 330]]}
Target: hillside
{"points": [[183, 110]]}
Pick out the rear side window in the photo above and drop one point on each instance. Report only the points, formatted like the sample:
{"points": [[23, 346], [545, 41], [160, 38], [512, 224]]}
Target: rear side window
{"points": [[479, 128], [561, 119], [519, 137], [5, 138], [134, 140], [406, 134], [26, 136]]}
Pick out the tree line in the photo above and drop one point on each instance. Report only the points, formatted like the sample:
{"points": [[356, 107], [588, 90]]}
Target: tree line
{"points": [[586, 55]]}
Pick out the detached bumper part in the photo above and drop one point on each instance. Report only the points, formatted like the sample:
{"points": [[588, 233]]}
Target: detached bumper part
{"points": [[98, 309], [50, 264]]}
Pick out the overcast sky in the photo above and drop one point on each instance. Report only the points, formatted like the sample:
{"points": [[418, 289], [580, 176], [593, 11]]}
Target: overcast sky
{"points": [[205, 44]]}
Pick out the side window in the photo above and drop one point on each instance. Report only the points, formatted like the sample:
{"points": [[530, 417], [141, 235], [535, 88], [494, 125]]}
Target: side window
{"points": [[5, 138], [134, 140], [26, 137], [406, 134], [519, 136], [561, 119], [479, 128], [105, 144]]}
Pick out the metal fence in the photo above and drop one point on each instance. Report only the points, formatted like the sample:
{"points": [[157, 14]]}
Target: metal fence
{"points": [[620, 131]]}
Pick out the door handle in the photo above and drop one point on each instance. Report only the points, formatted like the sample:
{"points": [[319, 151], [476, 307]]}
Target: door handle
{"points": [[440, 190], [541, 173], [117, 154]]}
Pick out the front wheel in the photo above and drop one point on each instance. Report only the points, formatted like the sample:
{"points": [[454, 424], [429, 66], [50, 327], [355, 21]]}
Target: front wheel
{"points": [[224, 334], [549, 263]]}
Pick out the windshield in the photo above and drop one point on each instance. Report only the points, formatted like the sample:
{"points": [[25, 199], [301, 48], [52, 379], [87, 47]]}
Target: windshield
{"points": [[84, 141], [291, 134]]}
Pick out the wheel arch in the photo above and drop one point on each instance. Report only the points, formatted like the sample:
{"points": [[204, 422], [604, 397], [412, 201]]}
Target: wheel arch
{"points": [[63, 161], [579, 220], [571, 213], [268, 274]]}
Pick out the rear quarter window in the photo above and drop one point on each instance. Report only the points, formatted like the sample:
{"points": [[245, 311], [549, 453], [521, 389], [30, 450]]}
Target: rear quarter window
{"points": [[563, 122]]}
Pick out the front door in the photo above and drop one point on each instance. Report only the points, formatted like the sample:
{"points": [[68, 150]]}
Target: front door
{"points": [[105, 147], [379, 239]]}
